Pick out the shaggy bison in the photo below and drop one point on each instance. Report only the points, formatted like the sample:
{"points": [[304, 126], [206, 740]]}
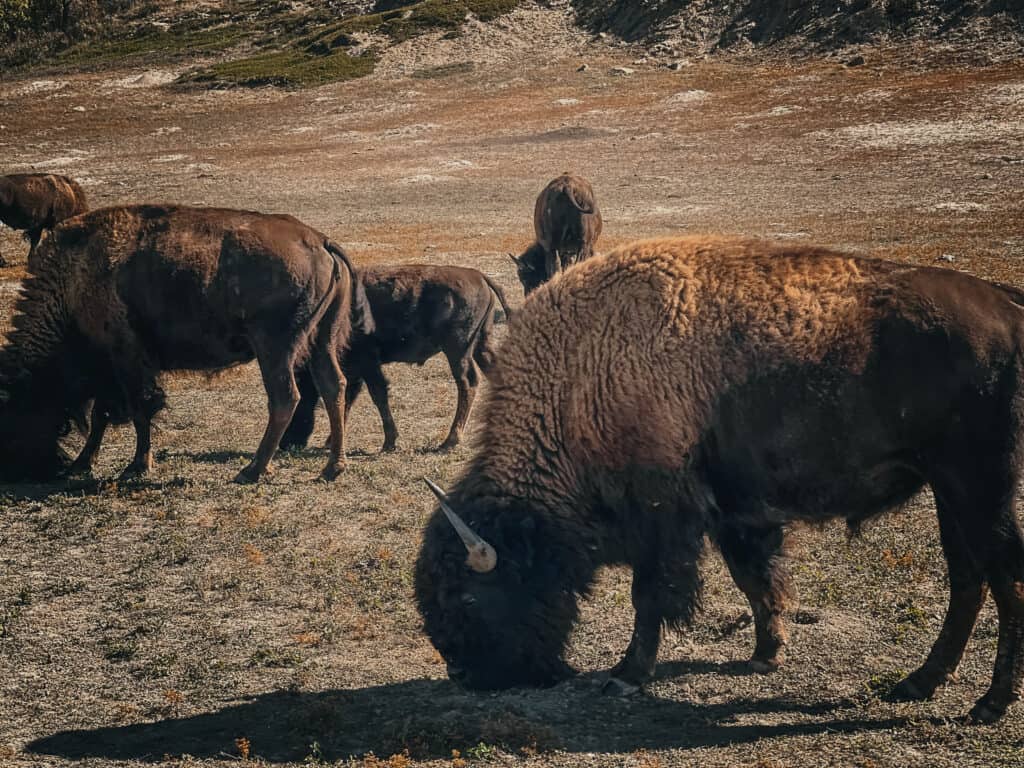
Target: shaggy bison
{"points": [[418, 311], [709, 385], [567, 223], [121, 294], [37, 201]]}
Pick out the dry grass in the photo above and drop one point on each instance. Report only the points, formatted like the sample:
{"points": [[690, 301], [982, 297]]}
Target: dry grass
{"points": [[184, 616]]}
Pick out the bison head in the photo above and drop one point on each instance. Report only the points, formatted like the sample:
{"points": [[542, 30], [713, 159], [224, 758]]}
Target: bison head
{"points": [[30, 432], [532, 268], [496, 601]]}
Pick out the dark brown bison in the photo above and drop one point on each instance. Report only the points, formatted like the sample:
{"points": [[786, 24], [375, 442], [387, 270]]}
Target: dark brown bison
{"points": [[567, 223], [708, 385], [36, 201], [121, 294], [418, 312]]}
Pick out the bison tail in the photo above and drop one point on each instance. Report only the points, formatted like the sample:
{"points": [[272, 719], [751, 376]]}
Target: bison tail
{"points": [[501, 297], [584, 205], [362, 316]]}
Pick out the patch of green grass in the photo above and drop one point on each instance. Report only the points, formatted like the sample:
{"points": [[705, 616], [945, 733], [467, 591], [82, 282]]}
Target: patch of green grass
{"points": [[170, 43], [286, 68]]}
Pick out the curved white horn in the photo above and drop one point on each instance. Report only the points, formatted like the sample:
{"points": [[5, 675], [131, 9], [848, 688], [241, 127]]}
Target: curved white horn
{"points": [[482, 558]]}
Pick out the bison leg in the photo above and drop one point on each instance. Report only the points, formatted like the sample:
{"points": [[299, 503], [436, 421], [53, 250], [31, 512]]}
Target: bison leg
{"points": [[756, 561], [87, 456], [663, 593], [967, 592], [142, 462], [298, 432], [378, 386], [466, 380], [353, 386], [282, 399], [329, 382]]}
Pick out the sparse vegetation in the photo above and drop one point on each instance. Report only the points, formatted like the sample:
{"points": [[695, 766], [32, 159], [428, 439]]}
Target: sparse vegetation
{"points": [[285, 68]]}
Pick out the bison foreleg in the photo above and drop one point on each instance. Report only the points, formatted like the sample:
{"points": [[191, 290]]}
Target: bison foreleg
{"points": [[663, 593], [756, 561]]}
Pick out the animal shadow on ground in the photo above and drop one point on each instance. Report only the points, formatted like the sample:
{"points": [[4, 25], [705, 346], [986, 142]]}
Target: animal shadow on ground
{"points": [[429, 718], [85, 486]]}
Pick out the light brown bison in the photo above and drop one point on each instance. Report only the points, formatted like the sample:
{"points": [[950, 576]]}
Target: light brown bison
{"points": [[121, 294], [567, 223], [34, 202], [709, 385], [418, 311]]}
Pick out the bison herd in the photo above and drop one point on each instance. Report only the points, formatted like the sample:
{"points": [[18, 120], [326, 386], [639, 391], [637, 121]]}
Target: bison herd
{"points": [[648, 400]]}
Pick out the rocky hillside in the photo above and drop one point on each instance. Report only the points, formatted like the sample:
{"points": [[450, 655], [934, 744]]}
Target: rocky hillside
{"points": [[294, 43], [716, 24]]}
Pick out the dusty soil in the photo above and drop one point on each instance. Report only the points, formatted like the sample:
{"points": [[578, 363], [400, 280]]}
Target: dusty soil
{"points": [[167, 620]]}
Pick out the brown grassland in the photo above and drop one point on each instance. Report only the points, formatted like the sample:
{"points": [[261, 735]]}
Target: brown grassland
{"points": [[181, 620]]}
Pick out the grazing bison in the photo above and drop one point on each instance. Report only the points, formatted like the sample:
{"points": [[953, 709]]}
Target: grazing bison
{"points": [[567, 223], [418, 311], [708, 385], [121, 294], [37, 201]]}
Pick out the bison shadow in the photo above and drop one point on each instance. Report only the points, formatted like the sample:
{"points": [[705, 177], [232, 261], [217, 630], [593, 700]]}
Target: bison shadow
{"points": [[432, 717], [85, 486]]}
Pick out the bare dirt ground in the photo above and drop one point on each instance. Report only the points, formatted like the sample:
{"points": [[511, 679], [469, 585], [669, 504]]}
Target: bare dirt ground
{"points": [[181, 620]]}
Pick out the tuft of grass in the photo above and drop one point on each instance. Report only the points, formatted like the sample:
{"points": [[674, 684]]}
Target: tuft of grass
{"points": [[291, 69]]}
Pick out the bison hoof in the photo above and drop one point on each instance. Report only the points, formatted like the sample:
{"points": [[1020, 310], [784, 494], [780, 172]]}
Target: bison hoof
{"points": [[911, 688], [390, 447], [986, 712], [251, 474], [332, 470], [447, 446], [136, 469], [619, 688], [766, 666]]}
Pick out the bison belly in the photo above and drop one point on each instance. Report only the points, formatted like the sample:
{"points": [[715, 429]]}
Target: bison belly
{"points": [[810, 446]]}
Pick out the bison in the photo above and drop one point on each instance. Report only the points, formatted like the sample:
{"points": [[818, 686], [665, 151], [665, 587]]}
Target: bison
{"points": [[37, 201], [711, 385], [567, 223], [119, 295], [418, 311]]}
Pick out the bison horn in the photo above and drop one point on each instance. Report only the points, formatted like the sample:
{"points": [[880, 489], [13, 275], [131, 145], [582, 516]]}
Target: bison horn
{"points": [[482, 558], [514, 258]]}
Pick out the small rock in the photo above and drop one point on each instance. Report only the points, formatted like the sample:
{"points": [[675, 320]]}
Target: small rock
{"points": [[675, 66], [948, 257], [582, 67], [622, 70], [78, 109], [856, 61]]}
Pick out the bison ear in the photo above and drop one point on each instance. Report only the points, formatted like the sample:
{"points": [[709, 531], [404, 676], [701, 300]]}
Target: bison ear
{"points": [[6, 193]]}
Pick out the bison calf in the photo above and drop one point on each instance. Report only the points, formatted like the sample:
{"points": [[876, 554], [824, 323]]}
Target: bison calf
{"points": [[418, 311], [681, 387], [36, 201], [567, 223], [121, 294]]}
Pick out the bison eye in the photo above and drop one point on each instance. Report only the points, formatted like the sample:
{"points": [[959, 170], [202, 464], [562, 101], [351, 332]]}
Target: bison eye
{"points": [[468, 599]]}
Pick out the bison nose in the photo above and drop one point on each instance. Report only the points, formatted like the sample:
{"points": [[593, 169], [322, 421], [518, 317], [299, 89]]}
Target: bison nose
{"points": [[456, 674]]}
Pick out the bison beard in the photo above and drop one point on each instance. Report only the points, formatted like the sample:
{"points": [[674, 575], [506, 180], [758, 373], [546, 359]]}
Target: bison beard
{"points": [[121, 294], [728, 387]]}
